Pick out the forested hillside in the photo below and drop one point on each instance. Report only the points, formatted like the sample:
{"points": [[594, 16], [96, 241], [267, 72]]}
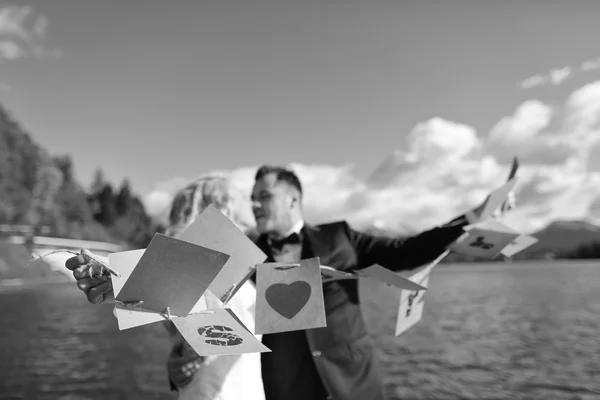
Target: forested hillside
{"points": [[38, 189]]}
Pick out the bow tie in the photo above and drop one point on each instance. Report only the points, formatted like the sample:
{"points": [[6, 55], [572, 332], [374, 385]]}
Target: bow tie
{"points": [[294, 238]]}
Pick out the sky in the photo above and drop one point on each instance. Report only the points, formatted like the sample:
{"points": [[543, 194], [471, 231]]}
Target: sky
{"points": [[396, 113]]}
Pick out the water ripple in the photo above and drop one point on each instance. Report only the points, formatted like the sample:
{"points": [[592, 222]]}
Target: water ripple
{"points": [[490, 332]]}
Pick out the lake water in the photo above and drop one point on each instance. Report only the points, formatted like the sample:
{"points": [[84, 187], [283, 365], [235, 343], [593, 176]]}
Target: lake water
{"points": [[490, 331]]}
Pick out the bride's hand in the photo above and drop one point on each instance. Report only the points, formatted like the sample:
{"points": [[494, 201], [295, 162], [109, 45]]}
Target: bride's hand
{"points": [[182, 365]]}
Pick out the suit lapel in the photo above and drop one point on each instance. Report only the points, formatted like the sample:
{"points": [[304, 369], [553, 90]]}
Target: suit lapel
{"points": [[263, 244], [315, 244]]}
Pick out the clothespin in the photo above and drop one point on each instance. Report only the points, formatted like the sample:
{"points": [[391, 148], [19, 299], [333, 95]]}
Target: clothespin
{"points": [[234, 287]]}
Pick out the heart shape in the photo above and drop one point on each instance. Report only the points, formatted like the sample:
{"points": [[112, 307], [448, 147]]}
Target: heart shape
{"points": [[286, 299]]}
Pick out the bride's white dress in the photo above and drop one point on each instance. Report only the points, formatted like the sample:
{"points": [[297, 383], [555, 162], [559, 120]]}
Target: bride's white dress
{"points": [[230, 377]]}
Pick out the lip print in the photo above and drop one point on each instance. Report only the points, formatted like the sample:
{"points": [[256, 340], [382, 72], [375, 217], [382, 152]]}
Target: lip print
{"points": [[219, 335]]}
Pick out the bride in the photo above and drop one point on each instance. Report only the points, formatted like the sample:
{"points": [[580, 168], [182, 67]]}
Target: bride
{"points": [[225, 377]]}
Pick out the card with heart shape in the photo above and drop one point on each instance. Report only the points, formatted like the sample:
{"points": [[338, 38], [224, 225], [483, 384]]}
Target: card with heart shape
{"points": [[289, 297]]}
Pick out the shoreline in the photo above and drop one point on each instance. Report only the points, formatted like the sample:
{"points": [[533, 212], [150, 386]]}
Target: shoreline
{"points": [[19, 283]]}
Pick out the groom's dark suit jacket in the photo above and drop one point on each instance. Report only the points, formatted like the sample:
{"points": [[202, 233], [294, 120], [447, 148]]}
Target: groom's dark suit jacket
{"points": [[338, 362]]}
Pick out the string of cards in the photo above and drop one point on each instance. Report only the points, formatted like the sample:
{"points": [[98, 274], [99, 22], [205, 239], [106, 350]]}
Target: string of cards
{"points": [[190, 279]]}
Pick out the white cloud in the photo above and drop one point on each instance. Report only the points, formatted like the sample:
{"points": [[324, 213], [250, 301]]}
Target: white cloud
{"points": [[530, 118], [525, 135], [590, 65], [583, 113], [533, 81], [444, 168], [40, 26], [554, 77], [557, 76], [22, 33], [12, 20], [9, 50]]}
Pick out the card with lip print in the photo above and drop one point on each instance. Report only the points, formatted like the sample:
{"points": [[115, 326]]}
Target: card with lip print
{"points": [[218, 332]]}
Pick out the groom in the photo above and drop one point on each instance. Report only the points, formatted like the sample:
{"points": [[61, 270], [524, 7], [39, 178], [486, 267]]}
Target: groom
{"points": [[337, 361]]}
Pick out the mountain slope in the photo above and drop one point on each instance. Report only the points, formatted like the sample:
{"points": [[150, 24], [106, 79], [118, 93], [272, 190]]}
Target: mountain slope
{"points": [[39, 190], [563, 237]]}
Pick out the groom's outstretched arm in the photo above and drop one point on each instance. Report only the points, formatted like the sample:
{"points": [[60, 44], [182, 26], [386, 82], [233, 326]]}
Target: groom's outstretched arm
{"points": [[404, 253]]}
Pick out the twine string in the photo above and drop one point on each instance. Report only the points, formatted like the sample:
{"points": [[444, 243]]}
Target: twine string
{"points": [[131, 305], [286, 267], [104, 270]]}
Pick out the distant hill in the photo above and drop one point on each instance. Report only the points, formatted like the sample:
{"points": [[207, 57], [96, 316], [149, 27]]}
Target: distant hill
{"points": [[562, 238], [39, 190]]}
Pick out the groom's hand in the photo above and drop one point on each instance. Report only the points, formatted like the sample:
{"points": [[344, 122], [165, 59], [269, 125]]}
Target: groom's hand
{"points": [[91, 277]]}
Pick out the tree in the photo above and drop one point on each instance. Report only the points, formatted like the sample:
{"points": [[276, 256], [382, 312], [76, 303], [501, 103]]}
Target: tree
{"points": [[124, 198], [42, 209], [107, 212], [65, 165], [585, 251], [98, 182], [49, 181]]}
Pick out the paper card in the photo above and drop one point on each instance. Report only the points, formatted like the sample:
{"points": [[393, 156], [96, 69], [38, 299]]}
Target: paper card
{"points": [[218, 333], [519, 244], [332, 274], [411, 307], [215, 231], [385, 275], [412, 302], [124, 263], [289, 297], [228, 296], [496, 199], [492, 225], [480, 242], [172, 273], [514, 168]]}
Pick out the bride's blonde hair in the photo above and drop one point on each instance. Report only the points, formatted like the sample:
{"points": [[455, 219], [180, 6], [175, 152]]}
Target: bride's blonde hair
{"points": [[190, 201]]}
